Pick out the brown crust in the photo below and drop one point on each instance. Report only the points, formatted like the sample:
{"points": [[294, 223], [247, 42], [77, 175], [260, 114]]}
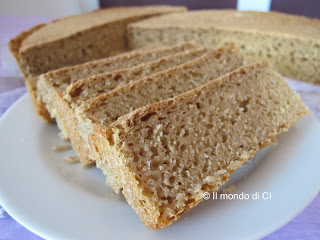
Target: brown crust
{"points": [[31, 82], [93, 143], [295, 46], [70, 124], [102, 25], [274, 14], [38, 105]]}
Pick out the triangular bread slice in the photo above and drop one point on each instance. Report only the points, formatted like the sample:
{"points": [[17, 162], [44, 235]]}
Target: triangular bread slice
{"points": [[166, 155]]}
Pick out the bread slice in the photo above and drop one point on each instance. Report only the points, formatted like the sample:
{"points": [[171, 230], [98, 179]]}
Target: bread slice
{"points": [[58, 80], [77, 39], [88, 88], [106, 108], [291, 43], [168, 154]]}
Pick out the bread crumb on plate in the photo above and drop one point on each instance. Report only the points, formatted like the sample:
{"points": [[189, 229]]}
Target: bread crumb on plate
{"points": [[59, 148], [72, 159]]}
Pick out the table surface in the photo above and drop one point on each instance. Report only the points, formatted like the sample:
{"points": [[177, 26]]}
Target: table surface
{"points": [[305, 226]]}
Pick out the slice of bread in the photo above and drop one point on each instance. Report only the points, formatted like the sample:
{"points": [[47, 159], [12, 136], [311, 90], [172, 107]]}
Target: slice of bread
{"points": [[58, 80], [77, 39], [106, 108], [88, 88], [291, 43], [168, 154]]}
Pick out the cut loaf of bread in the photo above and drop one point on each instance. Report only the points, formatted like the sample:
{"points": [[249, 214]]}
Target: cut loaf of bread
{"points": [[88, 88], [291, 43], [166, 155], [79, 38], [56, 82], [106, 108]]}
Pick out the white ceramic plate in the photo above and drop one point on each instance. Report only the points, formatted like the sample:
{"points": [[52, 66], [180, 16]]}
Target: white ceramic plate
{"points": [[60, 201]]}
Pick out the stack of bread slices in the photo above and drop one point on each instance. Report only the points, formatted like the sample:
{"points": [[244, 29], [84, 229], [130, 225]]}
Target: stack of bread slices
{"points": [[167, 123]]}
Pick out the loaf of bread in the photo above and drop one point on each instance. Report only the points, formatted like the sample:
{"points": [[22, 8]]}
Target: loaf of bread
{"points": [[291, 43], [166, 155], [94, 86], [106, 108], [56, 82], [76, 39]]}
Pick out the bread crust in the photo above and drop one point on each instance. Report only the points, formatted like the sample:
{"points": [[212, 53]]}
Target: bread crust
{"points": [[15, 44], [152, 22], [136, 13], [39, 106], [67, 118]]}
